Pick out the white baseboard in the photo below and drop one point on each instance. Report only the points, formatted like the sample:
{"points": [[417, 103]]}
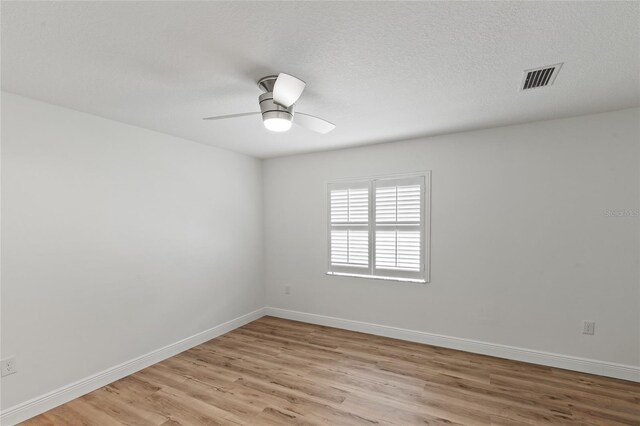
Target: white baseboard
{"points": [[602, 368], [38, 405]]}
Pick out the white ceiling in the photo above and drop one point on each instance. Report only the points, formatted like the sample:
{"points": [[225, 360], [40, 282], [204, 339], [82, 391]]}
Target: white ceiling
{"points": [[380, 71]]}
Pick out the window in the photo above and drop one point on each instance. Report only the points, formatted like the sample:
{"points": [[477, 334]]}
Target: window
{"points": [[378, 227]]}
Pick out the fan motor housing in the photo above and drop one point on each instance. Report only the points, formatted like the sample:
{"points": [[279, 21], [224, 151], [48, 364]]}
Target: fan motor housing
{"points": [[270, 109]]}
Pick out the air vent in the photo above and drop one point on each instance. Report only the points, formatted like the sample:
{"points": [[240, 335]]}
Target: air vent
{"points": [[540, 77]]}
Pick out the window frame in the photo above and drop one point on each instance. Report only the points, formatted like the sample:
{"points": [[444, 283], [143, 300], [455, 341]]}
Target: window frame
{"points": [[424, 227]]}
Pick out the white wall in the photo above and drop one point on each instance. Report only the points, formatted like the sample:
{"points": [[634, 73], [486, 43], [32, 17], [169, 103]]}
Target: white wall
{"points": [[116, 241], [522, 250]]}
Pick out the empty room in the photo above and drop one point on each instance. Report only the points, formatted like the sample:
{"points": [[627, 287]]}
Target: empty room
{"points": [[320, 213]]}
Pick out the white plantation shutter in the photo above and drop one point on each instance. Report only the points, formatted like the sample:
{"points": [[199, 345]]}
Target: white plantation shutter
{"points": [[349, 227], [399, 227], [398, 203], [398, 250], [378, 228], [350, 247]]}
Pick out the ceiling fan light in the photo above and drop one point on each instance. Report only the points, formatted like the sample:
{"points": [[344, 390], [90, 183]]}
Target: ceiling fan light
{"points": [[277, 121], [277, 124]]}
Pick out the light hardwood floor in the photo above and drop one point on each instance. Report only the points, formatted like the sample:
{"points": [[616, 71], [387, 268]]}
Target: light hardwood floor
{"points": [[275, 372]]}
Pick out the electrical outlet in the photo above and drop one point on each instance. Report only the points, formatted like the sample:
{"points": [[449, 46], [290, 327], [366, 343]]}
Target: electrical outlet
{"points": [[589, 328], [287, 290], [8, 366]]}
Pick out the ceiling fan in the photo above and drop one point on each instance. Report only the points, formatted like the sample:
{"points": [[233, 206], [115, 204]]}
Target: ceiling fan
{"points": [[281, 92]]}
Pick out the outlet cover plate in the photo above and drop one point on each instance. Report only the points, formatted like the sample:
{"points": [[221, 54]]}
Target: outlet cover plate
{"points": [[589, 328], [8, 366]]}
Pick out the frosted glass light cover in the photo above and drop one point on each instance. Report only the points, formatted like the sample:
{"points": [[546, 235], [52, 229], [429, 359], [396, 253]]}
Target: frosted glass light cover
{"points": [[277, 124]]}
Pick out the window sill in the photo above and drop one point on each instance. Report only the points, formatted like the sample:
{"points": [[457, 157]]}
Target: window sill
{"points": [[376, 277]]}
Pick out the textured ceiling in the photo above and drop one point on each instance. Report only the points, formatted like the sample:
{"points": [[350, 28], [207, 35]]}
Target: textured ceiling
{"points": [[380, 71]]}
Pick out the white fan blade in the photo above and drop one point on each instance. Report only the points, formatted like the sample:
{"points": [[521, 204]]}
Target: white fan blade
{"points": [[313, 123], [222, 117], [287, 90]]}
